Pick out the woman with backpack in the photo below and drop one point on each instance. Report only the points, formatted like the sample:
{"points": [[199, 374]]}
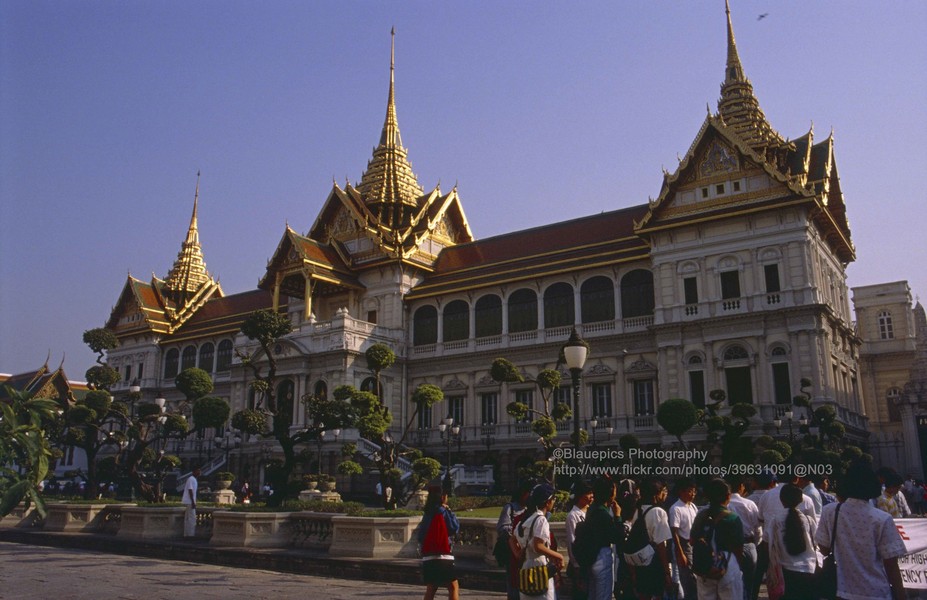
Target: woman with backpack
{"points": [[435, 535], [717, 546], [791, 547], [533, 536], [647, 547]]}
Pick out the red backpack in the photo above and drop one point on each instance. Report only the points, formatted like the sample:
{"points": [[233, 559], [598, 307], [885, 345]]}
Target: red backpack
{"points": [[436, 540]]}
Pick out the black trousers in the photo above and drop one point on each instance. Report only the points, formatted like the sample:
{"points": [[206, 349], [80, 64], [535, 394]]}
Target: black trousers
{"points": [[762, 564], [799, 585]]}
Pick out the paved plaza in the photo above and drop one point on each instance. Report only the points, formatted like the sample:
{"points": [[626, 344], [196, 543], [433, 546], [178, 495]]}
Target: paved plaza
{"points": [[30, 572]]}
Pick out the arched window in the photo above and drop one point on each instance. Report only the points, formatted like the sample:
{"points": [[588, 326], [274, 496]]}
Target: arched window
{"points": [[425, 326], [488, 316], [188, 358], [370, 385], [736, 353], [637, 294], [558, 305], [886, 330], [523, 311], [321, 389], [597, 300], [171, 360], [456, 321], [207, 352], [224, 356]]}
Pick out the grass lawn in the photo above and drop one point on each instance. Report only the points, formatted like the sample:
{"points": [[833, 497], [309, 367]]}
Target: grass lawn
{"points": [[489, 512]]}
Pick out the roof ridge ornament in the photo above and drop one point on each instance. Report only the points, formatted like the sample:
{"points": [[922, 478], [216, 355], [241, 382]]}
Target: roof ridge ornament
{"points": [[189, 271], [738, 107]]}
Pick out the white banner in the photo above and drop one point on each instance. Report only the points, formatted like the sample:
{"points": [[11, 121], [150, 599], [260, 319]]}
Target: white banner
{"points": [[914, 564]]}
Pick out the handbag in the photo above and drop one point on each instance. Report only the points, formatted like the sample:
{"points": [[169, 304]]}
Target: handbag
{"points": [[827, 575], [533, 581]]}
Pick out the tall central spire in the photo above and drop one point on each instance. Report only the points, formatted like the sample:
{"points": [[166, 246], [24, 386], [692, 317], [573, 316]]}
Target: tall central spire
{"points": [[735, 71], [388, 185], [390, 135], [738, 107], [189, 271]]}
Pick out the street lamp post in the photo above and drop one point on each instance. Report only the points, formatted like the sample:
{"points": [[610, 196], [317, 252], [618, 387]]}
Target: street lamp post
{"points": [[449, 431], [788, 416], [574, 352]]}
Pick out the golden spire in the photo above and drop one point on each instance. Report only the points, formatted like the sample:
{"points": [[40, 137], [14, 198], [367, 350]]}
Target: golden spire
{"points": [[389, 184], [189, 271], [738, 107]]}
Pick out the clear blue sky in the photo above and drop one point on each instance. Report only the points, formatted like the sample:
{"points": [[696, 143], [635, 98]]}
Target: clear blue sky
{"points": [[540, 111]]}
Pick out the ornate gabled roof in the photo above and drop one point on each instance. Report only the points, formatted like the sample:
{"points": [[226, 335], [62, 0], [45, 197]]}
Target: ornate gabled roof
{"points": [[738, 107], [42, 383], [188, 275], [298, 257], [388, 185], [738, 143]]}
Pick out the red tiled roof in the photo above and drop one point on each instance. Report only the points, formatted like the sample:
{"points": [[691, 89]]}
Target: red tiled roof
{"points": [[603, 239], [222, 316]]}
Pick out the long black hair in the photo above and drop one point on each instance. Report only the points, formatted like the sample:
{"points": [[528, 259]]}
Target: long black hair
{"points": [[435, 494], [795, 543]]}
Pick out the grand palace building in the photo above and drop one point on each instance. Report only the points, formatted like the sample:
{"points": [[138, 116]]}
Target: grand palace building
{"points": [[732, 278]]}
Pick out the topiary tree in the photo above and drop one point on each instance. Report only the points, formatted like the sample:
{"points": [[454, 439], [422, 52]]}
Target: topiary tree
{"points": [[193, 383], [266, 327], [727, 430], [677, 416], [101, 376], [548, 413]]}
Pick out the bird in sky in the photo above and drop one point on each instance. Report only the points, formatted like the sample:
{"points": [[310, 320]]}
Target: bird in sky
{"points": [[762, 16]]}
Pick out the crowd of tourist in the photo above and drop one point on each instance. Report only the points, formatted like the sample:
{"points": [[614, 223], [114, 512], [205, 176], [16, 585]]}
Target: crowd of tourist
{"points": [[799, 539]]}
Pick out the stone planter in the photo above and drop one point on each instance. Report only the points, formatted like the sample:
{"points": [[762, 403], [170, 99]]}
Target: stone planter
{"points": [[73, 517], [152, 522], [223, 485], [312, 485], [19, 516], [374, 537], [327, 486], [251, 530]]}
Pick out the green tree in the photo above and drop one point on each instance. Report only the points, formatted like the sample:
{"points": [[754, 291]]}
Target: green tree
{"points": [[543, 416], [101, 376], [727, 430], [89, 426], [677, 416], [24, 449], [266, 327]]}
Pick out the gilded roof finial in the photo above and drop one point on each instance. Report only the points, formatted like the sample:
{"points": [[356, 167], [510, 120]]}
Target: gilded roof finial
{"points": [[738, 108], [390, 136], [189, 270], [389, 183], [735, 71]]}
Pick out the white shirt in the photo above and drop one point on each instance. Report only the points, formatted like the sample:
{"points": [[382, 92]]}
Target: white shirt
{"points": [[192, 485], [806, 561], [865, 537], [657, 522], [770, 505], [681, 516], [535, 526], [749, 515]]}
